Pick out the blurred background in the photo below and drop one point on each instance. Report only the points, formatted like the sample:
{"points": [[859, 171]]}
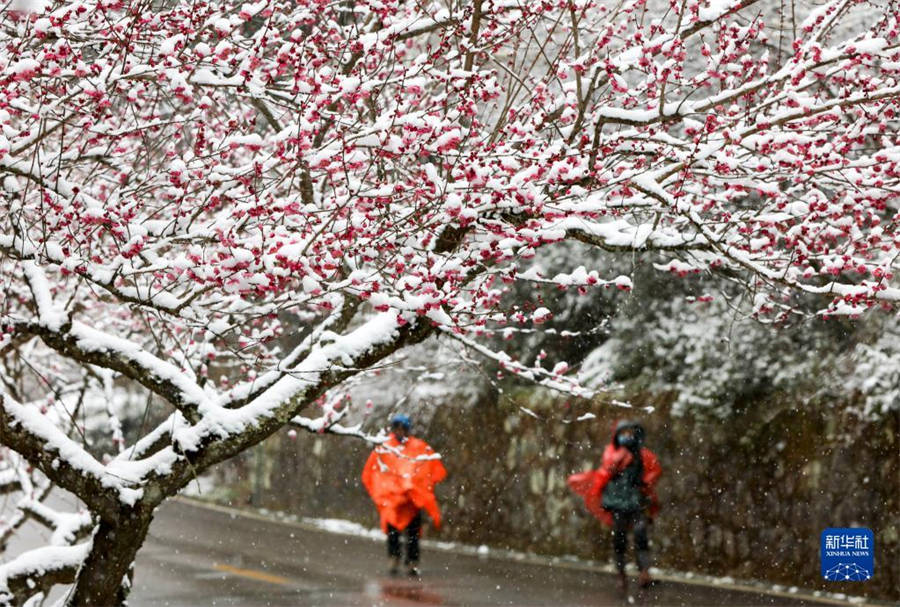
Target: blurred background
{"points": [[767, 434]]}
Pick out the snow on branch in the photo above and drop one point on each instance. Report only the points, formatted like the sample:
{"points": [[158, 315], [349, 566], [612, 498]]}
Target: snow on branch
{"points": [[67, 527], [89, 345], [326, 424], [66, 463], [9, 481], [222, 433], [554, 379], [51, 252], [621, 235], [335, 322], [36, 571]]}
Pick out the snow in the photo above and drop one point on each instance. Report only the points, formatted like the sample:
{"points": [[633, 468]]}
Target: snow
{"points": [[541, 315], [622, 233], [49, 314], [28, 6], [67, 449], [252, 140], [93, 340], [207, 77], [712, 9], [220, 422], [42, 25], [23, 67], [344, 527], [167, 46], [43, 559]]}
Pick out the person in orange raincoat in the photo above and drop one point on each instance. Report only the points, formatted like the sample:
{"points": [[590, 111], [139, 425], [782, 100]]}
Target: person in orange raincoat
{"points": [[400, 476], [622, 495]]}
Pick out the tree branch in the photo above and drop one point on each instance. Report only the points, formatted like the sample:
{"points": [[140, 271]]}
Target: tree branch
{"points": [[63, 461], [38, 570], [280, 404], [86, 345]]}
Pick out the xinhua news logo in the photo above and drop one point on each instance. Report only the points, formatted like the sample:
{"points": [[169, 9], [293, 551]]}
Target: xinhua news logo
{"points": [[847, 554]]}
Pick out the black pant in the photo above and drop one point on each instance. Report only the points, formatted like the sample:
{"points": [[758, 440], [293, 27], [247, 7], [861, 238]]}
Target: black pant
{"points": [[638, 522], [412, 539]]}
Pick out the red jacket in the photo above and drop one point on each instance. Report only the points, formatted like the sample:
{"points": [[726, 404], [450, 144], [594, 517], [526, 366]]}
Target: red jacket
{"points": [[400, 478], [590, 484]]}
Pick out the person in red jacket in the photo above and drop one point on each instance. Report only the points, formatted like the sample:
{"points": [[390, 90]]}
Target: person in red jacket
{"points": [[400, 476], [621, 494]]}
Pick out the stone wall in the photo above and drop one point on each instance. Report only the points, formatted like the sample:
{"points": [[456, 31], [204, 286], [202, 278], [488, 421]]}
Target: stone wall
{"points": [[746, 497]]}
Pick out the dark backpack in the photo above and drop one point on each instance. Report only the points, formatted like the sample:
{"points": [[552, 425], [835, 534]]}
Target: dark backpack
{"points": [[623, 491]]}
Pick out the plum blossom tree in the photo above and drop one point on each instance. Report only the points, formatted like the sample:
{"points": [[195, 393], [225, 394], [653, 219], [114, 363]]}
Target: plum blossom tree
{"points": [[233, 208]]}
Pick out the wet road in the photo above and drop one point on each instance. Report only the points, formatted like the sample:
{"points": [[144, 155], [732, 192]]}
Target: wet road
{"points": [[197, 556]]}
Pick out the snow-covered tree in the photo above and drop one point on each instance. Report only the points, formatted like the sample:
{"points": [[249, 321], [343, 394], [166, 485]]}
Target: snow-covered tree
{"points": [[235, 208]]}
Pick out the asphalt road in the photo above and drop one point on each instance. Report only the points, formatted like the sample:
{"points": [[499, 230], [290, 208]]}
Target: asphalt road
{"points": [[196, 556]]}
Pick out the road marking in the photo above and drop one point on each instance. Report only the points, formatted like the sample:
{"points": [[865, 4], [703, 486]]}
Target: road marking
{"points": [[253, 574]]}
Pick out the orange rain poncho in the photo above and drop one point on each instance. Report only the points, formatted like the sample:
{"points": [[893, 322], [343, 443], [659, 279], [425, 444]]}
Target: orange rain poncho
{"points": [[401, 477]]}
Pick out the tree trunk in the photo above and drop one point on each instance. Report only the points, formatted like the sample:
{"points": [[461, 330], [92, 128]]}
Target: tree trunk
{"points": [[102, 580]]}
